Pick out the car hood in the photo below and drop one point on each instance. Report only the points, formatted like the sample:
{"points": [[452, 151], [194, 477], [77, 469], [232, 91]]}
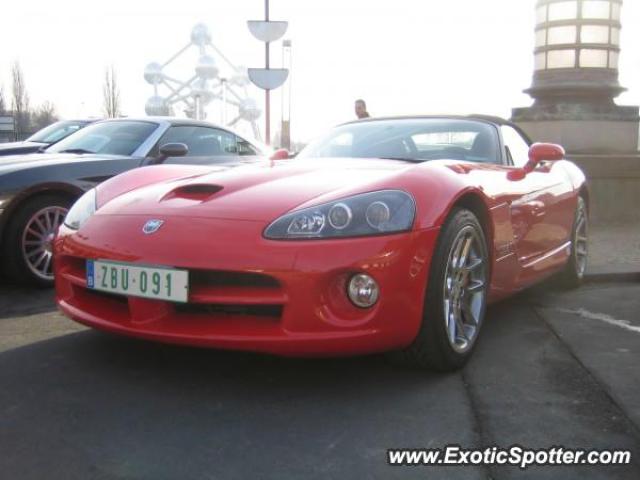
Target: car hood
{"points": [[18, 147], [258, 192], [12, 163]]}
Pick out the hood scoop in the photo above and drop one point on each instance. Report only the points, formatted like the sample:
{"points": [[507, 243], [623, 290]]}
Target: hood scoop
{"points": [[196, 192]]}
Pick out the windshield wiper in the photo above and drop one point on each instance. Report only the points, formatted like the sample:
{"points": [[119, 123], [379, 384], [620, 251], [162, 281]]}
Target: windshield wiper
{"points": [[76, 150]]}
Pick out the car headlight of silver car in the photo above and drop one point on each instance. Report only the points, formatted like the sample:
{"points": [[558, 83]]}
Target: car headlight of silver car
{"points": [[80, 212], [374, 213]]}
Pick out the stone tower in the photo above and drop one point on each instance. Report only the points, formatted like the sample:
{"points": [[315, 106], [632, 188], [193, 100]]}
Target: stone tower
{"points": [[575, 80]]}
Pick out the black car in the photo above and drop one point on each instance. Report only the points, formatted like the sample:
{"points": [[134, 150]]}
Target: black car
{"points": [[37, 190], [44, 138]]}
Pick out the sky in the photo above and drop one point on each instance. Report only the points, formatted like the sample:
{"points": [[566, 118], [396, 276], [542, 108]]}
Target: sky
{"points": [[401, 56]]}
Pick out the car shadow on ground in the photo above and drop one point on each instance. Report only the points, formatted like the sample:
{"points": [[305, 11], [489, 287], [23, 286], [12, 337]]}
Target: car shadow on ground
{"points": [[19, 301], [121, 357], [133, 407]]}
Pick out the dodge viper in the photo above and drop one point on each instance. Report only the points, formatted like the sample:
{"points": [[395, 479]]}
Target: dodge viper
{"points": [[384, 235]]}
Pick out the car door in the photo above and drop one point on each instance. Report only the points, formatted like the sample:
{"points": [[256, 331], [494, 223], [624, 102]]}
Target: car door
{"points": [[538, 202]]}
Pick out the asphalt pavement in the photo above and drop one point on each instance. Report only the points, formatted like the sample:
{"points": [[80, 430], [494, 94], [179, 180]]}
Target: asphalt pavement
{"points": [[552, 368]]}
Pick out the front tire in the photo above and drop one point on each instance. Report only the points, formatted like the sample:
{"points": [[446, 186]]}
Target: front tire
{"points": [[28, 243], [573, 274], [455, 300]]}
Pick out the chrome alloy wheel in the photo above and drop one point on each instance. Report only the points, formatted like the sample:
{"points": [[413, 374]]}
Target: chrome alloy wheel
{"points": [[37, 240], [581, 247], [464, 289]]}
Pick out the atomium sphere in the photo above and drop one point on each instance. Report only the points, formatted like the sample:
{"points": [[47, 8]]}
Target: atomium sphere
{"points": [[153, 73], [206, 67], [156, 106], [240, 77], [200, 35], [249, 110]]}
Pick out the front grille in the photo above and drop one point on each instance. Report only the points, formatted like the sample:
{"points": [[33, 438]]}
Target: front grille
{"points": [[212, 294], [219, 278], [116, 297], [266, 311]]}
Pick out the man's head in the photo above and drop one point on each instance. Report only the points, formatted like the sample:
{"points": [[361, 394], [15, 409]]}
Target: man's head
{"points": [[361, 109]]}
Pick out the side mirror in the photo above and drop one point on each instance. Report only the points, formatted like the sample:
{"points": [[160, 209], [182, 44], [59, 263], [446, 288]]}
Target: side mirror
{"points": [[538, 152], [280, 154], [543, 151], [172, 150]]}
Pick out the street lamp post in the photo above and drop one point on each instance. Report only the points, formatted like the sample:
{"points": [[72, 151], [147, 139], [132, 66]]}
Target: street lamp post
{"points": [[267, 92], [267, 78], [223, 84], [285, 129]]}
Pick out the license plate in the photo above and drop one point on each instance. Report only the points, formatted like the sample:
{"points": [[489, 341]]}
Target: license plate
{"points": [[138, 281]]}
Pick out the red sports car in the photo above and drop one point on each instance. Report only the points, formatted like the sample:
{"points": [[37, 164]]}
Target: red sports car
{"points": [[385, 235]]}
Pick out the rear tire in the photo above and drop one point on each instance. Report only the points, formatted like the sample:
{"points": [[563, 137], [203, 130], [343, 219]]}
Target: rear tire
{"points": [[27, 245], [573, 274], [455, 301]]}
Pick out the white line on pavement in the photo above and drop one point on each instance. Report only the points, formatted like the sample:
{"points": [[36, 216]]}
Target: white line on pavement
{"points": [[626, 324]]}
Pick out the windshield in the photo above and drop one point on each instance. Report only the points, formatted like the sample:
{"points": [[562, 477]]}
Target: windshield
{"points": [[56, 132], [109, 138], [409, 139]]}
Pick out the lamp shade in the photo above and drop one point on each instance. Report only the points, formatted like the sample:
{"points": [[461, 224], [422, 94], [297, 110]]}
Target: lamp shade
{"points": [[577, 46]]}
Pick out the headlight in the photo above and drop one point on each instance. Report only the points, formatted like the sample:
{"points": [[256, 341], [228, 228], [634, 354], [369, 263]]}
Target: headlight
{"points": [[81, 210], [375, 213]]}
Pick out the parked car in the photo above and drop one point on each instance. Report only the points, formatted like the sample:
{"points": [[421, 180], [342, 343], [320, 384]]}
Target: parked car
{"points": [[37, 190], [385, 235], [44, 138]]}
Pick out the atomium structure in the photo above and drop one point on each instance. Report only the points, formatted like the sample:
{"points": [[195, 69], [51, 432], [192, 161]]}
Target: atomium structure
{"points": [[208, 84]]}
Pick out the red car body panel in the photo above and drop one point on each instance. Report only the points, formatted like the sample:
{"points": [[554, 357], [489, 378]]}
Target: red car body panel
{"points": [[214, 223]]}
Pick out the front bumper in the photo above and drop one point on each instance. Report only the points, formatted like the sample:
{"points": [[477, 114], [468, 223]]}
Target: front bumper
{"points": [[249, 293]]}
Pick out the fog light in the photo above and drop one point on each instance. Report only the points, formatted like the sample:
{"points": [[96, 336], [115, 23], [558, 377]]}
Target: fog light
{"points": [[363, 290]]}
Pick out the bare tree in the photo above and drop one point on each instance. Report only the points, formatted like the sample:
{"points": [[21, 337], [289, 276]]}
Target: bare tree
{"points": [[111, 93], [19, 100], [44, 115], [3, 105]]}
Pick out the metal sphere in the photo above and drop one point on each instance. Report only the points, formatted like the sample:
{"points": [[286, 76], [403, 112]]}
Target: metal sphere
{"points": [[206, 67], [240, 77], [249, 110], [206, 88], [156, 106], [200, 35], [153, 73]]}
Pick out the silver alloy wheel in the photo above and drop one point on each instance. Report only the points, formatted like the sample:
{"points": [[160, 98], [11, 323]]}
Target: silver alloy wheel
{"points": [[37, 240], [581, 247], [464, 289]]}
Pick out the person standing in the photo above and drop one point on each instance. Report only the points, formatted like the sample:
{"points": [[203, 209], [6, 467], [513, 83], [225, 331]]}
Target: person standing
{"points": [[361, 109]]}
